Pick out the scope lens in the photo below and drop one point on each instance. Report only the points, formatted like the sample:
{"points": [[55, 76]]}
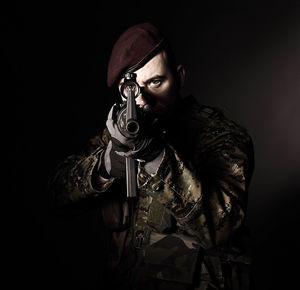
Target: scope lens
{"points": [[128, 87]]}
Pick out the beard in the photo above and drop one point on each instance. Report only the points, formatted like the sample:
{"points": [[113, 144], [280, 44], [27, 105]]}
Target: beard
{"points": [[164, 114]]}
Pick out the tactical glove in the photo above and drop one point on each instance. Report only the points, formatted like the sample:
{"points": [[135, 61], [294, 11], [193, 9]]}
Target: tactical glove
{"points": [[112, 164], [145, 146]]}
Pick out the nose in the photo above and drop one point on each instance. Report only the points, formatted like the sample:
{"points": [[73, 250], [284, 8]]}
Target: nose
{"points": [[145, 98], [141, 100]]}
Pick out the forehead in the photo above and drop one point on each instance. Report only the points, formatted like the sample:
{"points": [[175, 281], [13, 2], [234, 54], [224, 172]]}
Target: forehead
{"points": [[158, 65]]}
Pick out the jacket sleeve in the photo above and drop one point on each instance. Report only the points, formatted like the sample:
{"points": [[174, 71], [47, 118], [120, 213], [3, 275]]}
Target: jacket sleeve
{"points": [[74, 178], [208, 200]]}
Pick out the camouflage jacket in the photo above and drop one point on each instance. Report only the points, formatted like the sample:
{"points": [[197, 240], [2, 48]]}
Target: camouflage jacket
{"points": [[195, 203]]}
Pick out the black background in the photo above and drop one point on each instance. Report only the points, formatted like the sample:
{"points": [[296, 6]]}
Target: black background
{"points": [[243, 57]]}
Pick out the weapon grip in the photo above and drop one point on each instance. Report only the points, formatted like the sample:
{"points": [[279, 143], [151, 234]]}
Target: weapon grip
{"points": [[131, 177]]}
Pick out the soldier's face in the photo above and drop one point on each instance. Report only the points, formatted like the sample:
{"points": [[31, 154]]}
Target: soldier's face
{"points": [[160, 84]]}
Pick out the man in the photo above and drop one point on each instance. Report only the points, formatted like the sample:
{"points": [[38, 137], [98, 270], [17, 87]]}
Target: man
{"points": [[185, 229]]}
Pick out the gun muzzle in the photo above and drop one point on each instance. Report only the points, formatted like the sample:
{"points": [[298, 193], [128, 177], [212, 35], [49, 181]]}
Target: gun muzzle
{"points": [[132, 126]]}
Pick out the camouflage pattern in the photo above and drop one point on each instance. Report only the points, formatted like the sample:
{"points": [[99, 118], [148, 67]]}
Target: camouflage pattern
{"points": [[196, 201]]}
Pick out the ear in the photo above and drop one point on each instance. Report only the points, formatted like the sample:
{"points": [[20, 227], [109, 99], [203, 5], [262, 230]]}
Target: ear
{"points": [[181, 75]]}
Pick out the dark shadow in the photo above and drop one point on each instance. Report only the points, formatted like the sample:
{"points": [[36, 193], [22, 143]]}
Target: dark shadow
{"points": [[276, 242]]}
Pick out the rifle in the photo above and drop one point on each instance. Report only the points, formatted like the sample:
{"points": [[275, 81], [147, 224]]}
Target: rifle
{"points": [[129, 126]]}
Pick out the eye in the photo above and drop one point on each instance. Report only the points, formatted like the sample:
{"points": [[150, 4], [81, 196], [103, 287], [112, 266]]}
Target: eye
{"points": [[155, 83]]}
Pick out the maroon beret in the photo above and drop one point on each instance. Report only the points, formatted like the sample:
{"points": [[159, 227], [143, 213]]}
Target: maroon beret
{"points": [[134, 48]]}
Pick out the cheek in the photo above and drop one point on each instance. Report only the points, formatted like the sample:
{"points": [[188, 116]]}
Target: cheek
{"points": [[166, 95]]}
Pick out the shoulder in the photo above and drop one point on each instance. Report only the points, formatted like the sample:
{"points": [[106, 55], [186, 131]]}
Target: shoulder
{"points": [[215, 125], [96, 143], [212, 118]]}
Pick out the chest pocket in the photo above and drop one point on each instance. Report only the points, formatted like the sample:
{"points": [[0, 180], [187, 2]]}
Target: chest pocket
{"points": [[168, 256], [160, 217], [171, 259]]}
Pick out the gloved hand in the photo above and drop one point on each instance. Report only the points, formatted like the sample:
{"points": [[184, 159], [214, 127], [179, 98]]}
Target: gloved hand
{"points": [[113, 165], [145, 146]]}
